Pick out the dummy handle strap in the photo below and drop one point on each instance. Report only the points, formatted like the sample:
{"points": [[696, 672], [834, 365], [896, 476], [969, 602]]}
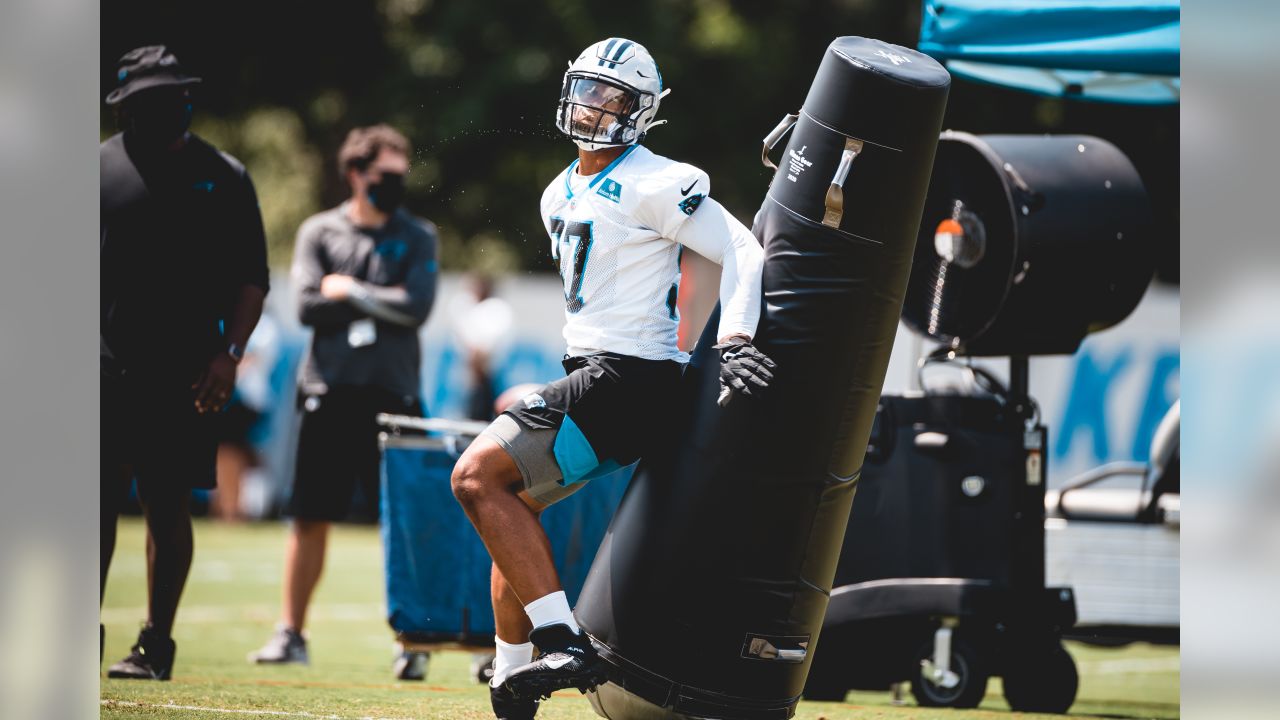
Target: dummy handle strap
{"points": [[835, 193], [774, 136]]}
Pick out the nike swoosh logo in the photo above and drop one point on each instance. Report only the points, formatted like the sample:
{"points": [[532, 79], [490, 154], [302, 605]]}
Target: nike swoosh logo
{"points": [[686, 190], [557, 663], [646, 77]]}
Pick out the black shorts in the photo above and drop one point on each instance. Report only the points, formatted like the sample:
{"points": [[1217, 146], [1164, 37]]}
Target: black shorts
{"points": [[604, 414], [338, 451], [153, 428]]}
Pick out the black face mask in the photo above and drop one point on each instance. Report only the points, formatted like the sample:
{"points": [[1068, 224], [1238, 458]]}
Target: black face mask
{"points": [[387, 193], [160, 123]]}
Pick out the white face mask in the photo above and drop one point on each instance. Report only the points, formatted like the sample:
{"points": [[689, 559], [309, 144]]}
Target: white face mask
{"points": [[597, 112]]}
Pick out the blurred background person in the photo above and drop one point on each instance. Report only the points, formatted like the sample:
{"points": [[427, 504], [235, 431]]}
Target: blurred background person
{"points": [[183, 276], [240, 424], [365, 277], [481, 322]]}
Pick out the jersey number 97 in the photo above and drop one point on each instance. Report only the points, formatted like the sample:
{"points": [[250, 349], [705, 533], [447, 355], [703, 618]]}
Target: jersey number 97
{"points": [[573, 238]]}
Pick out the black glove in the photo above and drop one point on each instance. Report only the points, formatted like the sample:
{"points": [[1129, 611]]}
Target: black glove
{"points": [[744, 370]]}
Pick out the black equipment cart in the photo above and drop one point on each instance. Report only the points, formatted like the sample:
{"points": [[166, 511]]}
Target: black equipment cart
{"points": [[1027, 245]]}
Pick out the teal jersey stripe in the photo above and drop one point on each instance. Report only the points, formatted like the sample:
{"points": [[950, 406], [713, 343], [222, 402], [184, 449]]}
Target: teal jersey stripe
{"points": [[616, 161], [568, 192]]}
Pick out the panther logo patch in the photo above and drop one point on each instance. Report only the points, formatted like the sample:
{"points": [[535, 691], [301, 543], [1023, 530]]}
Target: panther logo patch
{"points": [[691, 203]]}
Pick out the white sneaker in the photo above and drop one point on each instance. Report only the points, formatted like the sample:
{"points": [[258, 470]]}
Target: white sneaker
{"points": [[285, 646]]}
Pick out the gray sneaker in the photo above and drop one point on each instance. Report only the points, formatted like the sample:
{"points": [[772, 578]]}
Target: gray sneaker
{"points": [[285, 646], [411, 665]]}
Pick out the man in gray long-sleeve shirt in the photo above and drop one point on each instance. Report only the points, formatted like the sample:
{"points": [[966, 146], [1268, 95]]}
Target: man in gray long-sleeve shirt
{"points": [[365, 277]]}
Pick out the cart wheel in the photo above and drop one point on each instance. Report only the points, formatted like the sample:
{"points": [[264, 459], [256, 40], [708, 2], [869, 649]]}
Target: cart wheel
{"points": [[970, 682], [1044, 682]]}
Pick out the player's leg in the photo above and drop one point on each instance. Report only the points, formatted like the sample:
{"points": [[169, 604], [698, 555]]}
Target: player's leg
{"points": [[113, 481], [165, 505], [323, 483], [511, 621], [513, 649], [234, 460], [505, 478], [304, 553], [486, 481], [115, 472]]}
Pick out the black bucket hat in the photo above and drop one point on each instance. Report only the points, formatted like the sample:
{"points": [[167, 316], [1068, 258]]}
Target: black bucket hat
{"points": [[147, 67]]}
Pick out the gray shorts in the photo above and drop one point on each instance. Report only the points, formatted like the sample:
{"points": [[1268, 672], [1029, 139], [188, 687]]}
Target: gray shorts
{"points": [[532, 451]]}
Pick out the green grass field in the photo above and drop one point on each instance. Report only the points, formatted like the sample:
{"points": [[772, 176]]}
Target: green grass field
{"points": [[231, 604]]}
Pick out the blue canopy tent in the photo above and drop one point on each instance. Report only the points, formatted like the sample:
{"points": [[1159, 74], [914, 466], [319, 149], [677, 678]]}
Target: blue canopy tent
{"points": [[1124, 51]]}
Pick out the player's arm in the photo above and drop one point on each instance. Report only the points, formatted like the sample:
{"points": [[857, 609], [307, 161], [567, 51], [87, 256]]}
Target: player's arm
{"points": [[714, 233], [308, 273], [251, 275], [247, 284], [408, 304]]}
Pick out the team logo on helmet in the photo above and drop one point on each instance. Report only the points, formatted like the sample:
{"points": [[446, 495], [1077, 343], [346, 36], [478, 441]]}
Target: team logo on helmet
{"points": [[608, 55]]}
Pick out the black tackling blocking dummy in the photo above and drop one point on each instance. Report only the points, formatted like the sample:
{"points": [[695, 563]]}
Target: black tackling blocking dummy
{"points": [[709, 589]]}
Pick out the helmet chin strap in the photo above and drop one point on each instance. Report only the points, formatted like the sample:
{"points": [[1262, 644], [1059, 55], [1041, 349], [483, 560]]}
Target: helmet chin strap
{"points": [[593, 146]]}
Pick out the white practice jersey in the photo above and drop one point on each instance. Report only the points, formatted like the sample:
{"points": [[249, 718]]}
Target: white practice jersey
{"points": [[612, 235]]}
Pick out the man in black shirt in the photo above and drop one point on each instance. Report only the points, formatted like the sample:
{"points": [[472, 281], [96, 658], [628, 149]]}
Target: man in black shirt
{"points": [[365, 277], [183, 276]]}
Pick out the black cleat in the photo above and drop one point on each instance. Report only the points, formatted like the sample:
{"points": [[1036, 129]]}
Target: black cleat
{"points": [[151, 658], [508, 707], [567, 661]]}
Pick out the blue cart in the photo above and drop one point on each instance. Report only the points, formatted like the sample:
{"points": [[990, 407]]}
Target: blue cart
{"points": [[437, 570]]}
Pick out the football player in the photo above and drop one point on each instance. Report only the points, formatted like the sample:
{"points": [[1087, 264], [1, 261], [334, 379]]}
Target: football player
{"points": [[618, 218]]}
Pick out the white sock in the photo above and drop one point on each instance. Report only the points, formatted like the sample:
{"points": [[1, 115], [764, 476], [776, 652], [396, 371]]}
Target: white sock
{"points": [[508, 657], [551, 609]]}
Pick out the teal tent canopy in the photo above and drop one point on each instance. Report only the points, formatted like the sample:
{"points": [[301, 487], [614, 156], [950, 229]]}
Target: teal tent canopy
{"points": [[1104, 50]]}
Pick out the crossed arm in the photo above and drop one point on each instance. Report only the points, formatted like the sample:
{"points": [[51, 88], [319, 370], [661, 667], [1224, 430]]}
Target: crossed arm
{"points": [[331, 299]]}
